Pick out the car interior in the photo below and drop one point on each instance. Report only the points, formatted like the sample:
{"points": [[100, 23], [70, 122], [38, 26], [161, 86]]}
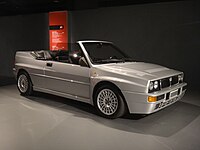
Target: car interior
{"points": [[64, 56]]}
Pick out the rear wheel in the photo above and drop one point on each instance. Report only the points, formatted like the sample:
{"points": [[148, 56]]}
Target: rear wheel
{"points": [[24, 84], [109, 102]]}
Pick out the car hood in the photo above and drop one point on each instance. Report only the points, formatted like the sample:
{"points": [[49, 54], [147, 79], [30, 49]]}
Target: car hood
{"points": [[146, 71]]}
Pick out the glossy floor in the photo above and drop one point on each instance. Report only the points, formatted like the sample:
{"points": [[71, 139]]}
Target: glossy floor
{"points": [[46, 122]]}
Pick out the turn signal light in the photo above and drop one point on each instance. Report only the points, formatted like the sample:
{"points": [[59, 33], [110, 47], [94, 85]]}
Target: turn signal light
{"points": [[152, 99]]}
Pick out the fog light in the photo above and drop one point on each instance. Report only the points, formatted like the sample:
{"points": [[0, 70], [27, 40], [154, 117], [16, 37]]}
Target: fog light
{"points": [[152, 99]]}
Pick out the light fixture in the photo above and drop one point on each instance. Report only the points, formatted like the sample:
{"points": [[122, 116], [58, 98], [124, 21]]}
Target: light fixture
{"points": [[151, 86], [155, 85], [152, 99]]}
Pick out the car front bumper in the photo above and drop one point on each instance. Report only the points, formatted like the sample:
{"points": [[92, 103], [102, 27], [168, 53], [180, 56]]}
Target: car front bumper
{"points": [[138, 102]]}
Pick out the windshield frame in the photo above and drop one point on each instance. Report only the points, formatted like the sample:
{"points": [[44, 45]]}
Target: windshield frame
{"points": [[122, 60]]}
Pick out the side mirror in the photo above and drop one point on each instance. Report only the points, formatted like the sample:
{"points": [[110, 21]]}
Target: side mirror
{"points": [[83, 62]]}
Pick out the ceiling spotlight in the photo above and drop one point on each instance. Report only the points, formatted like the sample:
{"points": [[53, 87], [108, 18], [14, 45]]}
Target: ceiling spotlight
{"points": [[56, 1]]}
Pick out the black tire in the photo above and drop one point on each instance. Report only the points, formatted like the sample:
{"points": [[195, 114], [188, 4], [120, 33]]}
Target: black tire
{"points": [[103, 107], [24, 84]]}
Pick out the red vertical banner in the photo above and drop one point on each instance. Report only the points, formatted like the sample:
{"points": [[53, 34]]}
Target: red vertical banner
{"points": [[58, 30]]}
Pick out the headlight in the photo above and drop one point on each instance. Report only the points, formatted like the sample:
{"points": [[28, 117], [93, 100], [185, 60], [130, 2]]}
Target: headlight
{"points": [[180, 78], [151, 86], [154, 86]]}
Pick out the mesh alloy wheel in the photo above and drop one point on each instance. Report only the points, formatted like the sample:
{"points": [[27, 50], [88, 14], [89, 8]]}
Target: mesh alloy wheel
{"points": [[107, 102], [24, 84]]}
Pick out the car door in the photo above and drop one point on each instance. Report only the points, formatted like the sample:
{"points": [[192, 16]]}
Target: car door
{"points": [[71, 79], [36, 69], [37, 73]]}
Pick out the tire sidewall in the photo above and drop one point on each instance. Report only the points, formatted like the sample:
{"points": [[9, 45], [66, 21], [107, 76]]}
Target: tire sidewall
{"points": [[120, 110]]}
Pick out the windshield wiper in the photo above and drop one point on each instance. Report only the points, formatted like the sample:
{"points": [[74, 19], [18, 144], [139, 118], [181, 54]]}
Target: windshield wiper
{"points": [[127, 59], [109, 61], [121, 60]]}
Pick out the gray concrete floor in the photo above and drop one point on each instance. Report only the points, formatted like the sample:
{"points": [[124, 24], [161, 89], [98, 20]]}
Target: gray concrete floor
{"points": [[46, 122]]}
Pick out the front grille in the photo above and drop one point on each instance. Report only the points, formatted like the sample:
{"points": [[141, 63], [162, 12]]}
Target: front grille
{"points": [[165, 83], [167, 96], [160, 97], [174, 80], [169, 81]]}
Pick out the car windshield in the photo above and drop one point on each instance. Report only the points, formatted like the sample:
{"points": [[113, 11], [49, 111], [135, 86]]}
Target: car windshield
{"points": [[100, 52]]}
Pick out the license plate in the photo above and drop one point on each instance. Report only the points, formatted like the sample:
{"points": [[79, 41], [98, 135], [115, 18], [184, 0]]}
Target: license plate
{"points": [[174, 93], [163, 104]]}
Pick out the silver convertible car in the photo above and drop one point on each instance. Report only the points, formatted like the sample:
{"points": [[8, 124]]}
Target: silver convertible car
{"points": [[99, 73]]}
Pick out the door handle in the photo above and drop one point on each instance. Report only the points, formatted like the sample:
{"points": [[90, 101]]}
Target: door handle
{"points": [[49, 64]]}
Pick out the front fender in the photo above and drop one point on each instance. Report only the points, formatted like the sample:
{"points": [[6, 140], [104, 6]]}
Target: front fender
{"points": [[122, 84]]}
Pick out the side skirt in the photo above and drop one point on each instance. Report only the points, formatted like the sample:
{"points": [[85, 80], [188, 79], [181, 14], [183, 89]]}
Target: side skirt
{"points": [[74, 97]]}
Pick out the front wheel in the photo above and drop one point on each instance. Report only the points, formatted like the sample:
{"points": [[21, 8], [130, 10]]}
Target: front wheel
{"points": [[24, 84], [109, 102]]}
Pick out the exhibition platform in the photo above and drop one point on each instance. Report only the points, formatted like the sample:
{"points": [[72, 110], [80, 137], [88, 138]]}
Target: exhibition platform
{"points": [[47, 122]]}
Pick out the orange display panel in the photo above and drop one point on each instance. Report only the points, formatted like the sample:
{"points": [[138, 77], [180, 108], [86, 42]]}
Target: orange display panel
{"points": [[58, 30]]}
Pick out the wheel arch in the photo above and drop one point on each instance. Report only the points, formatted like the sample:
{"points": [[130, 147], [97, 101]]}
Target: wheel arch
{"points": [[23, 70], [20, 71]]}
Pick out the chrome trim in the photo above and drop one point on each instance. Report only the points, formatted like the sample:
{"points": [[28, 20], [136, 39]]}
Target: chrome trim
{"points": [[160, 84]]}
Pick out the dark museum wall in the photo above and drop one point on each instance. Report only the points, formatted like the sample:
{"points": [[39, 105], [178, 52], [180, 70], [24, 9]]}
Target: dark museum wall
{"points": [[163, 33], [21, 32]]}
